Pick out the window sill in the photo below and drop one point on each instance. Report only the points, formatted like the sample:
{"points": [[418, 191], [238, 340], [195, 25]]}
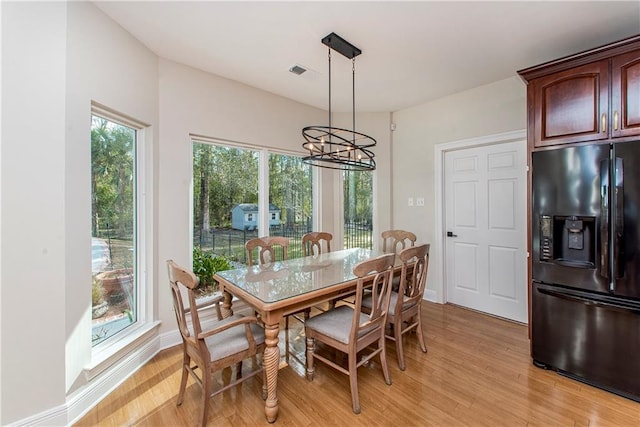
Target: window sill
{"points": [[104, 356]]}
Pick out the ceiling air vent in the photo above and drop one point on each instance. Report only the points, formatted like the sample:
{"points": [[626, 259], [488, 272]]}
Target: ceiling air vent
{"points": [[297, 70]]}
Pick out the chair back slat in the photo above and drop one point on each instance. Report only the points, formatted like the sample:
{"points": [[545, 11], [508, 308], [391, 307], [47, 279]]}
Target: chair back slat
{"points": [[316, 243]]}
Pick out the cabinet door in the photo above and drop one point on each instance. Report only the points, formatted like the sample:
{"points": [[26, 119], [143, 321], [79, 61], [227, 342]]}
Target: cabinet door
{"points": [[625, 95], [572, 105]]}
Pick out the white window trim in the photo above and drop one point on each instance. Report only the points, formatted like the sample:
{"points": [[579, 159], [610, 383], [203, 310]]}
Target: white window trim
{"points": [[103, 355]]}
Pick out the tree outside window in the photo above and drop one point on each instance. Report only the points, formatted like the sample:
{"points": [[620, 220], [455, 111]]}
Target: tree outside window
{"points": [[113, 211], [225, 191], [358, 209]]}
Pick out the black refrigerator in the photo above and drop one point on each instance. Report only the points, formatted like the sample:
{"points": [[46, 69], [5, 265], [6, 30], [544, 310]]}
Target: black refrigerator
{"points": [[585, 318]]}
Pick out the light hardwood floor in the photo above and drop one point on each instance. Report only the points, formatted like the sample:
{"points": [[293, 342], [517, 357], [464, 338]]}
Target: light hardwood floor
{"points": [[477, 372]]}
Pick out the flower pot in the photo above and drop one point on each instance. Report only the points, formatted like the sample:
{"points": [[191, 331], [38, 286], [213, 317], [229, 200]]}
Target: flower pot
{"points": [[116, 282]]}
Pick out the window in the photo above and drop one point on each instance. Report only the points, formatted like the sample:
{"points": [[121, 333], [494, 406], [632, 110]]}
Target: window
{"points": [[225, 199], [114, 251], [290, 195], [358, 208], [226, 211]]}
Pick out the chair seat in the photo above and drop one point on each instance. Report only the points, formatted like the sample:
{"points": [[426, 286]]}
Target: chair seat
{"points": [[233, 340], [336, 323], [366, 302]]}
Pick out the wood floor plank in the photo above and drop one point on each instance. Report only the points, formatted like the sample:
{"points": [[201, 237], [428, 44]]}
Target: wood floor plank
{"points": [[477, 372]]}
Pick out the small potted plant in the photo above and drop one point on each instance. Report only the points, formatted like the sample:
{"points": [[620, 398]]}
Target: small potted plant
{"points": [[205, 266], [116, 283]]}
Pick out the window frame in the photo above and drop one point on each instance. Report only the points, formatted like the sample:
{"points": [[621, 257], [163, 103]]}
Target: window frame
{"points": [[144, 325], [263, 216]]}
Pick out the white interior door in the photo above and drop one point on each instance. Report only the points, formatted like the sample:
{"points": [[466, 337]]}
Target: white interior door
{"points": [[485, 223]]}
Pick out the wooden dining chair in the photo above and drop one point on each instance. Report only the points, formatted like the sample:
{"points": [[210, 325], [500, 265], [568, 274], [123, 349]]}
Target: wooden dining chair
{"points": [[405, 307], [316, 243], [227, 342], [393, 241], [350, 331], [267, 248]]}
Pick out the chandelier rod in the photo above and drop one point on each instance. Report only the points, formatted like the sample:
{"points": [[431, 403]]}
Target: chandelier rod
{"points": [[329, 54], [353, 96]]}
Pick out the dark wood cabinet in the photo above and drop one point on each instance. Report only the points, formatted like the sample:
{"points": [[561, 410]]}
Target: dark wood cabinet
{"points": [[570, 106], [625, 95], [592, 96]]}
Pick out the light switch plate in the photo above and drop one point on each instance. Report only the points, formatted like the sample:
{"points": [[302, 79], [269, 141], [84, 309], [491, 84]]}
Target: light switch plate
{"points": [[420, 201], [410, 201]]}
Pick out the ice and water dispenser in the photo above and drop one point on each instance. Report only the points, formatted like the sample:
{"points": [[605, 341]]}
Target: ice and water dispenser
{"points": [[568, 240]]}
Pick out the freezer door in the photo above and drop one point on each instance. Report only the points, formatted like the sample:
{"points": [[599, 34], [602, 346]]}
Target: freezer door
{"points": [[625, 216], [569, 217], [592, 340]]}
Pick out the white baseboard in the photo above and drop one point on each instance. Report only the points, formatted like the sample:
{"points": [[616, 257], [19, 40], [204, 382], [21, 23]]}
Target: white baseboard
{"points": [[430, 295], [100, 387], [82, 401]]}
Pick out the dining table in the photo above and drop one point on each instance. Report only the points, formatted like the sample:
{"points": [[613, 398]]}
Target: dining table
{"points": [[281, 288]]}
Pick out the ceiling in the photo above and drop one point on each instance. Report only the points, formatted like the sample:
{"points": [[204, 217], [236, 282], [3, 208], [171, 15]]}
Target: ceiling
{"points": [[412, 52]]}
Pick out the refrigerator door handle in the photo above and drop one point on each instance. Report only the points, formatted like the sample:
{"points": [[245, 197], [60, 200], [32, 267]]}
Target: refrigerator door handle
{"points": [[588, 301], [618, 221], [604, 218]]}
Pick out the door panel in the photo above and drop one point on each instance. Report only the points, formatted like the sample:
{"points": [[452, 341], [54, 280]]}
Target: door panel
{"points": [[570, 183], [502, 272], [502, 209], [627, 271], [588, 338], [485, 256], [465, 209], [466, 278]]}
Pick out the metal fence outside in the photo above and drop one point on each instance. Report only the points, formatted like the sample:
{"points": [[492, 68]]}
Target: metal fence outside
{"points": [[229, 242]]}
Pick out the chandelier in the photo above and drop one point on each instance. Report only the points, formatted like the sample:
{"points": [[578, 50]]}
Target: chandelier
{"points": [[338, 148]]}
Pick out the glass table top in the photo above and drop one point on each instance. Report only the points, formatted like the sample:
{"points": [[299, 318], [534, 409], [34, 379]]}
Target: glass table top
{"points": [[286, 279]]}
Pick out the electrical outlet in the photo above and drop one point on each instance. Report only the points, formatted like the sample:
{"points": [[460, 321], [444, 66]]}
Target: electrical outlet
{"points": [[420, 201], [410, 201]]}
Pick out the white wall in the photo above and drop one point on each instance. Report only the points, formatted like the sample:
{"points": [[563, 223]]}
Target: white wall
{"points": [[486, 110], [57, 57], [107, 65], [33, 221]]}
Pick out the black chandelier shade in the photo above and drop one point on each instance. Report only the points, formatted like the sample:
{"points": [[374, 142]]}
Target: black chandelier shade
{"points": [[337, 148]]}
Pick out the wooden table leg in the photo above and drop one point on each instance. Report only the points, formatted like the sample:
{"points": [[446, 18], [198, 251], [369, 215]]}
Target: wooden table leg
{"points": [[271, 361], [226, 305]]}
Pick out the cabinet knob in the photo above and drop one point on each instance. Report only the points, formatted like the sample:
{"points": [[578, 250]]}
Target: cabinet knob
{"points": [[604, 123], [615, 120]]}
